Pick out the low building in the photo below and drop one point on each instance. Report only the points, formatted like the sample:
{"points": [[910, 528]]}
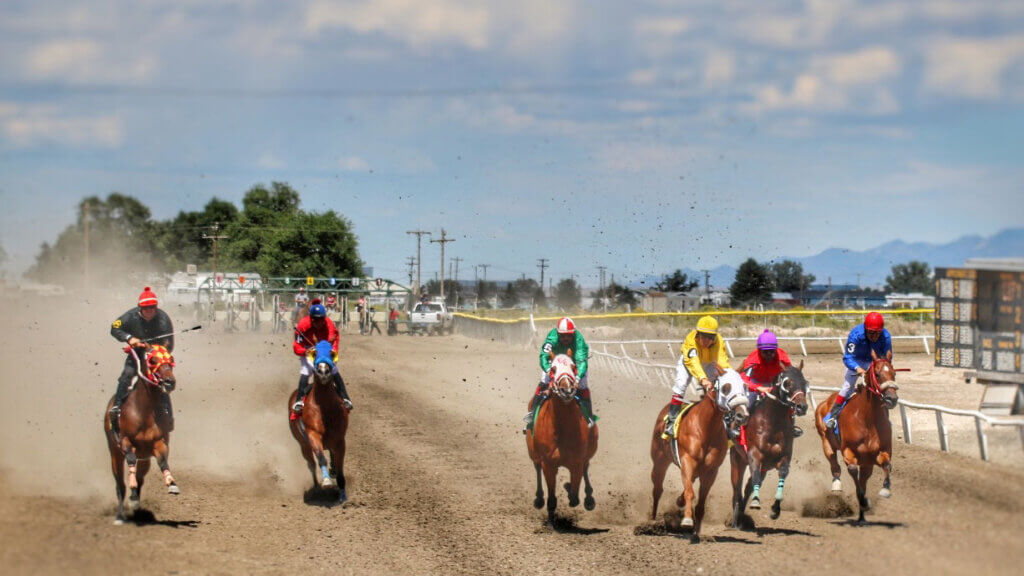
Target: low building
{"points": [[911, 300]]}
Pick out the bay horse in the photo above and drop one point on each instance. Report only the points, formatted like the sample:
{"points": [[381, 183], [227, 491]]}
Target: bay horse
{"points": [[700, 445], [142, 431], [769, 436], [322, 425], [560, 437], [865, 433]]}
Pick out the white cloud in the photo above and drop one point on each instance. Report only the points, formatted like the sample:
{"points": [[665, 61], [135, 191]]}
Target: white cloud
{"points": [[719, 69], [643, 77], [639, 157], [416, 22], [635, 106], [867, 66], [811, 27], [972, 68], [28, 126], [85, 61], [353, 164], [489, 114]]}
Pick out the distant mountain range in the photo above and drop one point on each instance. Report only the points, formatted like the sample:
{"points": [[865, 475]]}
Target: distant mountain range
{"points": [[843, 265]]}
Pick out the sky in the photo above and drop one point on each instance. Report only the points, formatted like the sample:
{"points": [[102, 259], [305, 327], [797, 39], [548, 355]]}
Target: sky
{"points": [[640, 136]]}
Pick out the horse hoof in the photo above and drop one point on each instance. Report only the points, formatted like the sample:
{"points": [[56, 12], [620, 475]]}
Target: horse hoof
{"points": [[755, 504], [837, 486], [776, 510], [118, 521], [589, 503], [173, 489], [342, 497], [538, 502], [326, 483], [884, 493], [687, 522], [134, 504]]}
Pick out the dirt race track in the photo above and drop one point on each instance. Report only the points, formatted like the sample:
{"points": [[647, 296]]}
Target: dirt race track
{"points": [[438, 475]]}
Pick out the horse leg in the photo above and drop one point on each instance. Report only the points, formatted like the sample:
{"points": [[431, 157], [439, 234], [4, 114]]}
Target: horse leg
{"points": [[143, 469], [783, 474], [884, 460], [737, 471], [833, 463], [866, 468], [161, 450], [572, 487], [338, 465], [685, 500], [538, 502], [658, 480], [756, 474], [550, 477], [706, 482], [117, 467], [588, 490], [317, 447], [133, 479]]}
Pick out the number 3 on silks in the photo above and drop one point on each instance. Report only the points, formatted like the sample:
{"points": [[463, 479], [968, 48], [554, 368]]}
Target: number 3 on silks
{"points": [[851, 347]]}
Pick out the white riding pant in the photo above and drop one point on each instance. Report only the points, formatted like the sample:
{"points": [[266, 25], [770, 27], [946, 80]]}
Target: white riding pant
{"points": [[684, 380], [582, 384], [307, 366], [850, 379]]}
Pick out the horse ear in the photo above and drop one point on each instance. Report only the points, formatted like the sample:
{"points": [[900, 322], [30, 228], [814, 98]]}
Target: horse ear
{"points": [[569, 353], [873, 355], [888, 355], [801, 366]]}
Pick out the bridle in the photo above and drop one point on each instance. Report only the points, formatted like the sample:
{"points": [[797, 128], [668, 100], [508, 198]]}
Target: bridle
{"points": [[558, 384], [879, 388], [786, 396], [156, 358]]}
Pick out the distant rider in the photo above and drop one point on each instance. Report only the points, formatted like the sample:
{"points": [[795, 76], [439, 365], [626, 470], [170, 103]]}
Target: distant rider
{"points": [[563, 337], [137, 327], [761, 368], [310, 330], [702, 346], [863, 339]]}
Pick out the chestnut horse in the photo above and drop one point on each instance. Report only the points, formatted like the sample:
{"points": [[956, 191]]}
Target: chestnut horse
{"points": [[322, 424], [700, 445], [769, 435], [865, 434], [142, 432], [560, 437]]}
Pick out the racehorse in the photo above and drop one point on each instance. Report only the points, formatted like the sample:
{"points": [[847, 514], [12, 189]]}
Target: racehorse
{"points": [[769, 435], [142, 430], [322, 424], [560, 437], [699, 446], [301, 311], [865, 434]]}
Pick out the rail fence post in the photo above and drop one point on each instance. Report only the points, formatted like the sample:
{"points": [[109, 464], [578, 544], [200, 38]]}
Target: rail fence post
{"points": [[728, 348], [810, 398], [943, 433], [905, 418], [802, 347], [982, 438], [924, 340]]}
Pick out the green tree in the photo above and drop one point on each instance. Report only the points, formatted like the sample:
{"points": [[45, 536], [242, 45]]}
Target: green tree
{"points": [[509, 296], [621, 295], [788, 276], [676, 282], [484, 292], [752, 285], [914, 276], [180, 241], [567, 294], [120, 245]]}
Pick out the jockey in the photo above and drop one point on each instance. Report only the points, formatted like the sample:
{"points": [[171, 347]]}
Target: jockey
{"points": [[701, 346], [762, 367], [136, 327], [871, 336], [310, 330], [563, 337]]}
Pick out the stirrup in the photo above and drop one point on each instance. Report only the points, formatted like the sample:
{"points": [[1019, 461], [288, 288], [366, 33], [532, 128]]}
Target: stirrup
{"points": [[297, 407], [797, 431], [667, 434], [347, 403], [115, 411]]}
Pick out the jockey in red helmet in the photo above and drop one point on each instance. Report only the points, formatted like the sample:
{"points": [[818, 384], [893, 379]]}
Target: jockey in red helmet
{"points": [[563, 337], [310, 330], [136, 327], [871, 336]]}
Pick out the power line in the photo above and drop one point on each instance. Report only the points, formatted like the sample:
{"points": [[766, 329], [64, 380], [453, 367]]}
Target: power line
{"points": [[215, 237], [442, 241]]}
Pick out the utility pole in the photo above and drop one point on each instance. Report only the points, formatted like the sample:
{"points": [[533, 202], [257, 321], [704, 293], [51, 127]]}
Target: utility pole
{"points": [[543, 264], [707, 283], [419, 260], [214, 237], [444, 240], [457, 286], [86, 218], [858, 280], [604, 300], [412, 264]]}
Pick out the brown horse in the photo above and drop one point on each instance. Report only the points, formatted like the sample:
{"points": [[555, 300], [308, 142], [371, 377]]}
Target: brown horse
{"points": [[142, 432], [769, 442], [865, 434], [322, 425], [561, 437], [700, 445]]}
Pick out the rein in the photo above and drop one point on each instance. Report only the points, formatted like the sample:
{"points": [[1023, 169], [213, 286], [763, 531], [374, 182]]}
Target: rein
{"points": [[157, 358], [871, 379]]}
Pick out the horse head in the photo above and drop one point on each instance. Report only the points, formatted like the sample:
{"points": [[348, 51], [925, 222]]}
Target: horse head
{"points": [[563, 377], [732, 396], [323, 361], [160, 366], [792, 388], [881, 379]]}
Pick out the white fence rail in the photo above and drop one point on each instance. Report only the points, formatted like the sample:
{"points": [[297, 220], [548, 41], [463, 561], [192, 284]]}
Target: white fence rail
{"points": [[840, 341], [647, 370]]}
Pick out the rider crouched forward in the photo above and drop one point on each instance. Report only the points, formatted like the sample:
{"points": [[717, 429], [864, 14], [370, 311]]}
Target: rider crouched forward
{"points": [[702, 347], [310, 330], [762, 367], [141, 325], [562, 338]]}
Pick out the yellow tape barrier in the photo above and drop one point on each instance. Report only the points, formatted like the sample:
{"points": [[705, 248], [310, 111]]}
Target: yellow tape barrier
{"points": [[693, 314]]}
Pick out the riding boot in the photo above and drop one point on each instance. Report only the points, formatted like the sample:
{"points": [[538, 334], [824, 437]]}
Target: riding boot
{"points": [[831, 419], [120, 396], [339, 387], [301, 392], [534, 402], [588, 411], [168, 410], [797, 431], [670, 420]]}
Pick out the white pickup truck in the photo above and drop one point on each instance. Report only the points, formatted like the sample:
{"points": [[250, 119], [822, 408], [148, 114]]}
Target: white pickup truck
{"points": [[430, 318]]}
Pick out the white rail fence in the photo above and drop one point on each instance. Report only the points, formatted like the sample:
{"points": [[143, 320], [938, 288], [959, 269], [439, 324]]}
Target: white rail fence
{"points": [[658, 374]]}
